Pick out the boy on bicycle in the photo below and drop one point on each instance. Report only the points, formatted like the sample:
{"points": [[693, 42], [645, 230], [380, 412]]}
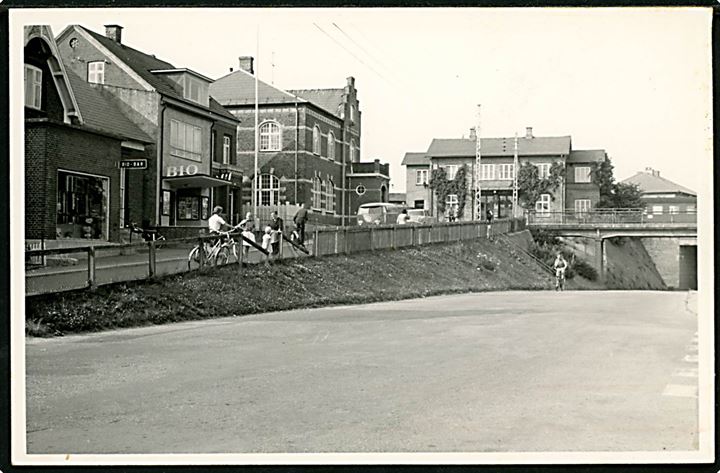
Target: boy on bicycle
{"points": [[559, 266], [216, 223]]}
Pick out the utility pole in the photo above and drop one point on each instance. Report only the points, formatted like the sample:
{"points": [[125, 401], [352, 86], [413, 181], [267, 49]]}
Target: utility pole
{"points": [[257, 130], [515, 179], [478, 192]]}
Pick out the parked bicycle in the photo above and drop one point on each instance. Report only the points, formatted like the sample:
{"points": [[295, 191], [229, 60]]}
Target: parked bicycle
{"points": [[217, 253], [148, 234]]}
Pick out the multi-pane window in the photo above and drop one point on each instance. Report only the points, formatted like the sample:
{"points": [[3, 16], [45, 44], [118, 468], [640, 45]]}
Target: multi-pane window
{"points": [[185, 140], [329, 196], [543, 170], [690, 209], [674, 209], [226, 149], [33, 87], [582, 205], [543, 204], [331, 146], [487, 172], [450, 171], [506, 172], [269, 190], [451, 201], [96, 72], [269, 136], [317, 193], [352, 151], [195, 90], [316, 139], [582, 174], [657, 209], [421, 177]]}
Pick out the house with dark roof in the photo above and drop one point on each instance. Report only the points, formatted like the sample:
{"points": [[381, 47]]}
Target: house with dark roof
{"points": [[308, 149], [76, 141], [193, 165], [577, 191], [417, 176], [663, 197]]}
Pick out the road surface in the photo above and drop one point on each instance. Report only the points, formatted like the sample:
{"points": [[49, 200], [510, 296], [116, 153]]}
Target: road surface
{"points": [[493, 372]]}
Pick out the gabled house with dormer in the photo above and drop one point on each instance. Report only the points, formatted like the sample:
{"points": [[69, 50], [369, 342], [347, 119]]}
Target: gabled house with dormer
{"points": [[193, 165]]}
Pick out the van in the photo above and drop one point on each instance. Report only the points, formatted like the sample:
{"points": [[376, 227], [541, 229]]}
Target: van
{"points": [[378, 213]]}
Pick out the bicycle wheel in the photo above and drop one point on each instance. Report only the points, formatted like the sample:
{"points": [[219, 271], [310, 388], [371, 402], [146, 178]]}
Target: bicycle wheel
{"points": [[194, 259], [222, 257]]}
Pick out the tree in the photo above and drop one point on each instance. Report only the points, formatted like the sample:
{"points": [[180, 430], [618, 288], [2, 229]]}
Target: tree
{"points": [[614, 195], [531, 186]]}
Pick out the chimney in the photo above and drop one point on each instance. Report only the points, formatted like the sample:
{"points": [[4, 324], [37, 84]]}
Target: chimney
{"points": [[231, 69], [377, 165], [351, 81], [473, 135], [655, 173], [114, 32], [246, 64], [528, 132]]}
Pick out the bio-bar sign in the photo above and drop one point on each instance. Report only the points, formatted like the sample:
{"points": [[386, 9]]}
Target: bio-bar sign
{"points": [[133, 164]]}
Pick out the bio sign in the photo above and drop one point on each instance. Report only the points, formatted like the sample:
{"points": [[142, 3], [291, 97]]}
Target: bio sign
{"points": [[174, 171], [133, 164]]}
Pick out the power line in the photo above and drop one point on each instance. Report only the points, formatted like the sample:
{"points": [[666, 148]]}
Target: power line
{"points": [[362, 48]]}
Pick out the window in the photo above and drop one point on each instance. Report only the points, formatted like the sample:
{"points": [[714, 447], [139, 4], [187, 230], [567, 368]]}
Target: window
{"points": [[329, 196], [269, 191], [33, 87], [360, 190], [185, 140], [543, 170], [674, 209], [195, 90], [316, 140], [317, 193], [352, 151], [419, 204], [421, 177], [331, 146], [487, 172], [82, 206], [506, 172], [96, 72], [657, 209], [188, 207], [450, 171], [269, 136], [690, 209], [582, 205], [451, 202], [582, 174], [226, 149], [543, 204], [213, 154], [166, 203], [352, 113]]}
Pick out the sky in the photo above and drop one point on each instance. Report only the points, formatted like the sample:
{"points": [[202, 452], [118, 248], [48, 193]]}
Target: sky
{"points": [[634, 82]]}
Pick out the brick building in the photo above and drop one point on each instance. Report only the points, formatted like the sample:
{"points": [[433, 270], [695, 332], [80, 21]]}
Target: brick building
{"points": [[308, 149], [75, 138], [662, 196], [193, 166], [577, 191]]}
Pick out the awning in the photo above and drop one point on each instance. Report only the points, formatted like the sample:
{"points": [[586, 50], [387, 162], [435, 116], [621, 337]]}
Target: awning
{"points": [[196, 180]]}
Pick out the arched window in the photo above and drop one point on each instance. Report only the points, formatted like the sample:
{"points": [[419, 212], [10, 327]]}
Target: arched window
{"points": [[352, 151], [316, 139], [330, 196], [269, 190], [317, 193], [270, 136], [331, 146]]}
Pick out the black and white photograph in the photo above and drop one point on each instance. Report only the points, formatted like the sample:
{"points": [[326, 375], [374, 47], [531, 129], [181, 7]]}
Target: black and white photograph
{"points": [[272, 236]]}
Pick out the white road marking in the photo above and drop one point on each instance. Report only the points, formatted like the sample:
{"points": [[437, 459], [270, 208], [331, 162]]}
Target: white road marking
{"points": [[680, 390]]}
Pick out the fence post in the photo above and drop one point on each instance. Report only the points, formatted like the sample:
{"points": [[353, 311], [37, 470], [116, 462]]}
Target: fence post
{"points": [[372, 243], [412, 236], [152, 260], [393, 237], [201, 252], [337, 232], [345, 240], [91, 266], [315, 243]]}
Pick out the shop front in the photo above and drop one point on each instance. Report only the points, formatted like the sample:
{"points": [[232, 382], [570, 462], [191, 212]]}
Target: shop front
{"points": [[82, 206]]}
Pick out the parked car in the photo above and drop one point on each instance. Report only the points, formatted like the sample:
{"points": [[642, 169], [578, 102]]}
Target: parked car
{"points": [[420, 216], [378, 213]]}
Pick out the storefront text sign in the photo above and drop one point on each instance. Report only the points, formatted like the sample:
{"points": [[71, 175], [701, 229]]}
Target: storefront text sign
{"points": [[133, 164], [189, 170]]}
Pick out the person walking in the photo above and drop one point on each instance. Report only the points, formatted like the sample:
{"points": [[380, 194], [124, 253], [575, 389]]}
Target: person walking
{"points": [[277, 226], [300, 218], [403, 217]]}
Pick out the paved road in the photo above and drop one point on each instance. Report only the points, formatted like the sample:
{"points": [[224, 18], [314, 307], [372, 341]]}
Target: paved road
{"points": [[538, 371]]}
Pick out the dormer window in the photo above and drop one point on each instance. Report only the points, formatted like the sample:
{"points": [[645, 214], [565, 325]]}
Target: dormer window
{"points": [[195, 90]]}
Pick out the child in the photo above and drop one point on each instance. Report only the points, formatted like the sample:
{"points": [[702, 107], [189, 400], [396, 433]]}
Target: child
{"points": [[267, 240], [247, 233]]}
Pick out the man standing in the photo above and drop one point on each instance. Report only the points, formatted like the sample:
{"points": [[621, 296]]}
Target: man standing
{"points": [[277, 226], [299, 219]]}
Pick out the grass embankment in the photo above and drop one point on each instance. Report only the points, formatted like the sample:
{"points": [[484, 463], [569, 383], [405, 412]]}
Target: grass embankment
{"points": [[291, 284]]}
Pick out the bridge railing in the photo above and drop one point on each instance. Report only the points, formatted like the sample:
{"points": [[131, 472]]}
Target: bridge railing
{"points": [[609, 216]]}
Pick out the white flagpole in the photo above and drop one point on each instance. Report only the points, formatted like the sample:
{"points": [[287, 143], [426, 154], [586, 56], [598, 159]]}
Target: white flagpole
{"points": [[478, 192], [257, 131]]}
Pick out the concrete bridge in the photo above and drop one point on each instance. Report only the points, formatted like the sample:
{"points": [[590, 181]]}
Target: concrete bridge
{"points": [[670, 240]]}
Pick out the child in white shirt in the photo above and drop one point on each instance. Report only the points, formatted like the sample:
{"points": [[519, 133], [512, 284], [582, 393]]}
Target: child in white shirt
{"points": [[267, 240]]}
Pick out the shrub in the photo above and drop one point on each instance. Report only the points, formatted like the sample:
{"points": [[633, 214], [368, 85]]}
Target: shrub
{"points": [[544, 237], [584, 269]]}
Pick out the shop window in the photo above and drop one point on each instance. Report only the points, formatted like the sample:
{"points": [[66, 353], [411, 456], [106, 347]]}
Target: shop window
{"points": [[82, 206], [193, 207]]}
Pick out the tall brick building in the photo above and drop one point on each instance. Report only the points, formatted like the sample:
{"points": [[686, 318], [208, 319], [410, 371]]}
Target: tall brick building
{"points": [[75, 138], [309, 146], [577, 191], [193, 164]]}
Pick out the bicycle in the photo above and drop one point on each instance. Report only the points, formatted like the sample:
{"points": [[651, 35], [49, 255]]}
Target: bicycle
{"points": [[148, 234], [559, 279], [217, 253]]}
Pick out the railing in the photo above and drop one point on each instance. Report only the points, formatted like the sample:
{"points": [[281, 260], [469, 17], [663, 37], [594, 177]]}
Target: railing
{"points": [[609, 216], [112, 263]]}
